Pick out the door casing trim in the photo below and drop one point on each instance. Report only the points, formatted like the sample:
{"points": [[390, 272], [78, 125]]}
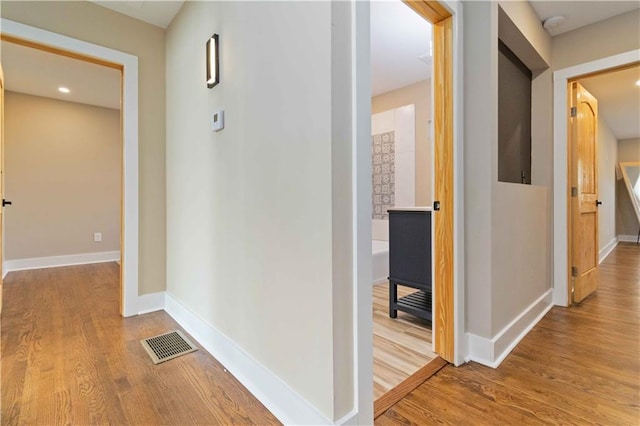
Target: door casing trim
{"points": [[361, 187], [129, 63], [561, 79]]}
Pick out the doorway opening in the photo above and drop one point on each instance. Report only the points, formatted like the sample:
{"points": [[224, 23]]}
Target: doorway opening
{"points": [[562, 198], [440, 189], [603, 111], [402, 166], [62, 175], [128, 67]]}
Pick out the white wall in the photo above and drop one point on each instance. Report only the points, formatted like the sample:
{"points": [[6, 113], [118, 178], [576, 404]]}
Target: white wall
{"points": [[629, 150], [607, 163], [480, 129], [507, 225], [606, 38], [520, 267], [259, 214]]}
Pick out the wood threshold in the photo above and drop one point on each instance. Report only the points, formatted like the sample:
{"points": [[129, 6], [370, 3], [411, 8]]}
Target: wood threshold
{"points": [[389, 399]]}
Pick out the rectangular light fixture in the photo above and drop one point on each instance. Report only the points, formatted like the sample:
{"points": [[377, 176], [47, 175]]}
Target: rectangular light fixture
{"points": [[213, 69]]}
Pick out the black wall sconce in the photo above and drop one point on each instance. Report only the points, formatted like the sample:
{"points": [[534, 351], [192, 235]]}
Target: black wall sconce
{"points": [[213, 69]]}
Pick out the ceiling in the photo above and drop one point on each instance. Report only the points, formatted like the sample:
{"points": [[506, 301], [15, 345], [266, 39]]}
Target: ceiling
{"points": [[398, 37], [580, 13], [577, 13], [158, 13], [40, 73], [618, 100]]}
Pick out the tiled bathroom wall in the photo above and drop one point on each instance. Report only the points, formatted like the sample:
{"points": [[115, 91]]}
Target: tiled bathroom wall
{"points": [[393, 160]]}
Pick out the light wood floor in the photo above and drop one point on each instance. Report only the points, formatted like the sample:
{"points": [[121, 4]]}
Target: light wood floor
{"points": [[69, 358], [401, 346], [579, 365]]}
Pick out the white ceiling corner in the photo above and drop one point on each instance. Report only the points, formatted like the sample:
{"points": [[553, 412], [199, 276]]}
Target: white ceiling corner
{"points": [[618, 96], [399, 37], [156, 12], [580, 13], [618, 100]]}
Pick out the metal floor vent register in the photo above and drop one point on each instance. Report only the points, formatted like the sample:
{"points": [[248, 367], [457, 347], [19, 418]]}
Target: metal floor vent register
{"points": [[167, 346]]}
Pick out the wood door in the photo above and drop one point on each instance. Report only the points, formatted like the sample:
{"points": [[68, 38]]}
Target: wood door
{"points": [[583, 192], [1, 175]]}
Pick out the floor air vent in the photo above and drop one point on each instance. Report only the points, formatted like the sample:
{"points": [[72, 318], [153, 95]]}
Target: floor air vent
{"points": [[167, 346]]}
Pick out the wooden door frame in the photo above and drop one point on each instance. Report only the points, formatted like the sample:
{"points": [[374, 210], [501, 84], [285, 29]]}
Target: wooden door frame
{"points": [[1, 183], [78, 49], [452, 345], [561, 164]]}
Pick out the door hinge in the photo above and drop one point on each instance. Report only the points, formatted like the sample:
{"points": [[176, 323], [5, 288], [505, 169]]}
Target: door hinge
{"points": [[436, 206], [574, 191], [574, 112], [574, 271]]}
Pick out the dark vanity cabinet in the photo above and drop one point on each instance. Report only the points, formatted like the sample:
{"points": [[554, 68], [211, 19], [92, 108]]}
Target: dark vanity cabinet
{"points": [[410, 261]]}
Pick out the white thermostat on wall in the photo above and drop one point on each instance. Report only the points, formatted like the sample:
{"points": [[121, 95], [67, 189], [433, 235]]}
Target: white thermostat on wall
{"points": [[217, 123]]}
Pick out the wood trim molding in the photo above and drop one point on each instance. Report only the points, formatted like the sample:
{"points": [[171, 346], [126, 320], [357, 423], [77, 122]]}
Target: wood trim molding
{"points": [[432, 11], [58, 51], [443, 172], [389, 399], [443, 322]]}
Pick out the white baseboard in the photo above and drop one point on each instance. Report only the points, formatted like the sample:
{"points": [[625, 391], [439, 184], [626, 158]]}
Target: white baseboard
{"points": [[491, 352], [56, 261], [151, 302], [608, 249], [277, 396], [628, 238], [350, 419]]}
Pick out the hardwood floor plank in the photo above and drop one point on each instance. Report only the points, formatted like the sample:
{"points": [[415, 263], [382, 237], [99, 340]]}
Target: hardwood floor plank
{"points": [[69, 358], [401, 346], [579, 365]]}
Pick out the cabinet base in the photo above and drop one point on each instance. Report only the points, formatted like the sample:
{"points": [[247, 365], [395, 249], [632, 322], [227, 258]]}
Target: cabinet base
{"points": [[418, 303]]}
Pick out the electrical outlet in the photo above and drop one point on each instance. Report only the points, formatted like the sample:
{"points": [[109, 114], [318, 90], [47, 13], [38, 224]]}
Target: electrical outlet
{"points": [[97, 237]]}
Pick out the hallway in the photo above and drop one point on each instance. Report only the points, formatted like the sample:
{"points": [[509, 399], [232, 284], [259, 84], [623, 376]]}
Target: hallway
{"points": [[577, 366]]}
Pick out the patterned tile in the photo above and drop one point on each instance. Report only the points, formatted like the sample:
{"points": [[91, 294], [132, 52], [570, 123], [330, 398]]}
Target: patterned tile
{"points": [[383, 178]]}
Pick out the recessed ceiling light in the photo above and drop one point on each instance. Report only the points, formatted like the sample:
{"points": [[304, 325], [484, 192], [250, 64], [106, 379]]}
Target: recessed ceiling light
{"points": [[638, 83], [553, 22], [63, 89]]}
